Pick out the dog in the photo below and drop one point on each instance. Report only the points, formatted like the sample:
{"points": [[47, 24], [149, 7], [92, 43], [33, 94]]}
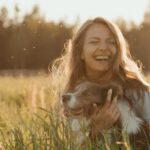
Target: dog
{"points": [[85, 95]]}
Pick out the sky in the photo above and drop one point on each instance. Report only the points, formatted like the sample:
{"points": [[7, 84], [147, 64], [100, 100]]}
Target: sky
{"points": [[70, 10]]}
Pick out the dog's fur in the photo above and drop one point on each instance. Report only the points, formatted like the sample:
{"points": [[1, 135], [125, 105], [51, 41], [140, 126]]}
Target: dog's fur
{"points": [[87, 93]]}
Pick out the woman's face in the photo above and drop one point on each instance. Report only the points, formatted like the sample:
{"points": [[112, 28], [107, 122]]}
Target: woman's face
{"points": [[99, 49]]}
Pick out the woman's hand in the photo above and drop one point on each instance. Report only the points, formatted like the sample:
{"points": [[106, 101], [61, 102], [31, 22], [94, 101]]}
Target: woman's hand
{"points": [[105, 117]]}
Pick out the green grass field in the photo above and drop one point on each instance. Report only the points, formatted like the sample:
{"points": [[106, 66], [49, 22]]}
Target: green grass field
{"points": [[27, 121]]}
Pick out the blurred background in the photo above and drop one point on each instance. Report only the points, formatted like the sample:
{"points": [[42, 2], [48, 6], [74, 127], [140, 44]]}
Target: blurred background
{"points": [[33, 32]]}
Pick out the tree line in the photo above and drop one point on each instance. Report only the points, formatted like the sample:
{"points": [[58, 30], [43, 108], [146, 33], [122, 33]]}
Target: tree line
{"points": [[34, 43]]}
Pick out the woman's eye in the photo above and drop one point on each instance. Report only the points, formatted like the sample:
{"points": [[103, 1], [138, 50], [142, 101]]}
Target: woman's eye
{"points": [[112, 42], [93, 42]]}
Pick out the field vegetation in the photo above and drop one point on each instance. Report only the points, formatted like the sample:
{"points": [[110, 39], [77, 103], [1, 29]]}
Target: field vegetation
{"points": [[29, 122]]}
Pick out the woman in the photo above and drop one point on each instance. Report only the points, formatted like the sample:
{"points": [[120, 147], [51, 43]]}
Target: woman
{"points": [[99, 53]]}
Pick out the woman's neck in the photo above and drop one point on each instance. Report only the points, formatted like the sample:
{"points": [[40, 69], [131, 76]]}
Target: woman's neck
{"points": [[101, 78]]}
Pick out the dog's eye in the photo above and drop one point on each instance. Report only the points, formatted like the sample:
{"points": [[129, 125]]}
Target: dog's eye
{"points": [[76, 89]]}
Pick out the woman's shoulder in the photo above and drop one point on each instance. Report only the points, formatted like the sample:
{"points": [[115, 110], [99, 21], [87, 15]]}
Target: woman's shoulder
{"points": [[137, 92], [141, 103]]}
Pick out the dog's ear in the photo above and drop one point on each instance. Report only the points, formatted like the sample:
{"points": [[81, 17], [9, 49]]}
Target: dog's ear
{"points": [[99, 94], [103, 94], [116, 89]]}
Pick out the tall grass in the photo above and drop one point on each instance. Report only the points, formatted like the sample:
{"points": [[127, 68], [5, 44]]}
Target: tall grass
{"points": [[28, 122]]}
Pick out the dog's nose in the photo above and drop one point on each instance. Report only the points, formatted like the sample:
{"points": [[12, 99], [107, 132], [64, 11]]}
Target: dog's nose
{"points": [[65, 98]]}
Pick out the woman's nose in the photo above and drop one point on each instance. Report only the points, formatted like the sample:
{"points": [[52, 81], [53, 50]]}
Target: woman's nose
{"points": [[102, 46]]}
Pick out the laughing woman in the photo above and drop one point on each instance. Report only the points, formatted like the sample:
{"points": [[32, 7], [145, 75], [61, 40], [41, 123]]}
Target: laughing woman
{"points": [[99, 53]]}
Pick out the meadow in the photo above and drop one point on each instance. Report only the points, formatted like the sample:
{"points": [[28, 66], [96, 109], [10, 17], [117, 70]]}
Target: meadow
{"points": [[29, 122]]}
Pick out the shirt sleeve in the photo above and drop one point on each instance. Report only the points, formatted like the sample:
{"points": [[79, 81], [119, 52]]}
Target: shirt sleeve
{"points": [[146, 107], [142, 107]]}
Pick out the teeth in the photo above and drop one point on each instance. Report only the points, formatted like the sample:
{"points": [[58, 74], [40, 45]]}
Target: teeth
{"points": [[102, 57]]}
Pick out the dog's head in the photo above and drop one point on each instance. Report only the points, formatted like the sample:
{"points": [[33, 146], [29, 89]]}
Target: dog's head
{"points": [[87, 93]]}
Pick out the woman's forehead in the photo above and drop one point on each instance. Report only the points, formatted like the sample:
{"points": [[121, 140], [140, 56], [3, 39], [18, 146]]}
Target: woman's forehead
{"points": [[98, 30]]}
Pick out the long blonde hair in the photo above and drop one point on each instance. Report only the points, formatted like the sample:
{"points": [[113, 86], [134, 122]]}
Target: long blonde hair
{"points": [[68, 70]]}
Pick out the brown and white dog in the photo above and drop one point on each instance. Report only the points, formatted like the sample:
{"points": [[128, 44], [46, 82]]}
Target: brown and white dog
{"points": [[82, 99]]}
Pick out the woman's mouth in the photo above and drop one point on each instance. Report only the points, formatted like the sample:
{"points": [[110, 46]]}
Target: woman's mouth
{"points": [[102, 58]]}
